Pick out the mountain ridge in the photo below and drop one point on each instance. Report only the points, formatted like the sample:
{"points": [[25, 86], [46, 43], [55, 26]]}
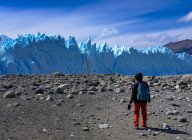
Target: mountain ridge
{"points": [[183, 46]]}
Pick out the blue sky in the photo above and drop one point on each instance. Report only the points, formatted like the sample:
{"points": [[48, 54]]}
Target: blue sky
{"points": [[133, 23]]}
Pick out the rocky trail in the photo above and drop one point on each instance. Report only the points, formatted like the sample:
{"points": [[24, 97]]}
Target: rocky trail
{"points": [[91, 107]]}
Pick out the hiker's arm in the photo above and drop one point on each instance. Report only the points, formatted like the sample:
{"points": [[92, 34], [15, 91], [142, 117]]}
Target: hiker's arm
{"points": [[149, 100], [132, 94]]}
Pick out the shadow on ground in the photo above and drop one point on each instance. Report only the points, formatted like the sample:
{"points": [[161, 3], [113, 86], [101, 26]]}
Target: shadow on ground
{"points": [[171, 131]]}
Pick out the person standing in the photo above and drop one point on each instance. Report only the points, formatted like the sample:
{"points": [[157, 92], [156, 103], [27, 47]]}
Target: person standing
{"points": [[140, 96]]}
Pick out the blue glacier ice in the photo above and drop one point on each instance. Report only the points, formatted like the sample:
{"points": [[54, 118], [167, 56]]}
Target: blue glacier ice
{"points": [[42, 54]]}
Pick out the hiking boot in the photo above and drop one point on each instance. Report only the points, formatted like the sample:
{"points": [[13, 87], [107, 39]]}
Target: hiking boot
{"points": [[136, 127]]}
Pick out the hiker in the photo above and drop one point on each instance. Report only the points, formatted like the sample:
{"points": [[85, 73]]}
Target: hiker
{"points": [[140, 96]]}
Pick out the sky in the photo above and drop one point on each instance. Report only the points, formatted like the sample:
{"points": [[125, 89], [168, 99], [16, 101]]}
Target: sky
{"points": [[131, 23]]}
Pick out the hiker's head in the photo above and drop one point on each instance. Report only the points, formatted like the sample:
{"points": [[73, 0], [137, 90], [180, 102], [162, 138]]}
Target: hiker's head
{"points": [[139, 76]]}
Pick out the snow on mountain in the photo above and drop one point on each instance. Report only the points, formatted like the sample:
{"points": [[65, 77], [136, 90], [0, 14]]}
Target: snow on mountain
{"points": [[41, 54]]}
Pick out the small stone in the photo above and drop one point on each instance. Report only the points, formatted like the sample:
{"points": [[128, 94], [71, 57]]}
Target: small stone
{"points": [[13, 105], [9, 94], [59, 90], [63, 86], [178, 137], [156, 84], [169, 113], [180, 125], [123, 101], [143, 134], [103, 126], [189, 111], [80, 105], [81, 92], [153, 96], [25, 97], [69, 96], [170, 98], [85, 128], [166, 126], [149, 113], [58, 103], [49, 99], [188, 99], [127, 114], [61, 100], [45, 130], [39, 97], [176, 112], [174, 118], [169, 117], [156, 133], [93, 88], [182, 119], [175, 105], [177, 87], [17, 93], [110, 89], [74, 92], [180, 98], [118, 90], [34, 87], [76, 123], [39, 90], [57, 74], [50, 92], [102, 89], [91, 92], [72, 134]]}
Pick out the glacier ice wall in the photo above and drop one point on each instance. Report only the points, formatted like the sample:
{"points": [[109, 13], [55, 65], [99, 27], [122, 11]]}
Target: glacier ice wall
{"points": [[42, 54]]}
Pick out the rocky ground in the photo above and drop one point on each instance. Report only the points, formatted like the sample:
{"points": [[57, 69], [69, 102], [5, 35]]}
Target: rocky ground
{"points": [[91, 107]]}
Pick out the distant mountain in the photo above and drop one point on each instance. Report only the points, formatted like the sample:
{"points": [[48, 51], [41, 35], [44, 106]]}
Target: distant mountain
{"points": [[180, 46], [42, 54]]}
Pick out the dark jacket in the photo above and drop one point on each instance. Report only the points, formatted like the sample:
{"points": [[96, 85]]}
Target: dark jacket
{"points": [[135, 92]]}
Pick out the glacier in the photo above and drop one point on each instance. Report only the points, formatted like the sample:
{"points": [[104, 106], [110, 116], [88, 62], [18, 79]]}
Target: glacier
{"points": [[43, 54]]}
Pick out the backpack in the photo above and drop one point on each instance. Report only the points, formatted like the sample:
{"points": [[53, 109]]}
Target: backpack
{"points": [[143, 92]]}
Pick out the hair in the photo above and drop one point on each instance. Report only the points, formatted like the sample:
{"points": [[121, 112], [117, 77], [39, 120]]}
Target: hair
{"points": [[139, 76]]}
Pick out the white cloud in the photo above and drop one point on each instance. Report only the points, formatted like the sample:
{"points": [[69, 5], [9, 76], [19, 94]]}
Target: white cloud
{"points": [[152, 39], [186, 18], [106, 33], [159, 38], [45, 21]]}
